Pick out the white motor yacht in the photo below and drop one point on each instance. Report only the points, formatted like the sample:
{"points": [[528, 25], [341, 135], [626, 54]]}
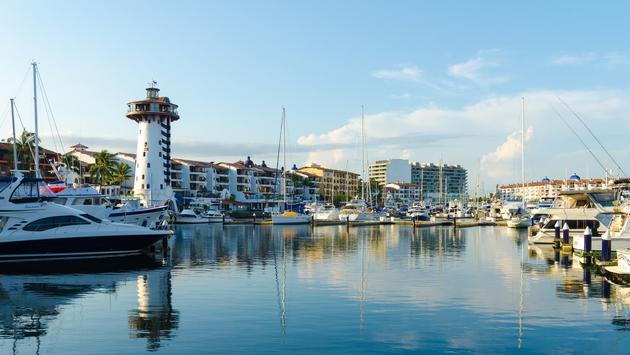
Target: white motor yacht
{"points": [[189, 216], [355, 211], [326, 212], [578, 209], [89, 200], [33, 228]]}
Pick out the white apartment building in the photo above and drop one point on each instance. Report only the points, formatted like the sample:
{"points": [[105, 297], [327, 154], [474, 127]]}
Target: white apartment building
{"points": [[390, 171], [402, 193]]}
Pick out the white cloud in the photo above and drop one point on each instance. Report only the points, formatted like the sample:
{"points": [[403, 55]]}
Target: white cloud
{"points": [[496, 163], [465, 134], [405, 73], [476, 69], [609, 58]]}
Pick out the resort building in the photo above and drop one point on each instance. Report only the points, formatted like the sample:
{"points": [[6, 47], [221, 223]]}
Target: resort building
{"points": [[536, 190], [402, 193], [440, 181], [332, 182], [390, 171]]}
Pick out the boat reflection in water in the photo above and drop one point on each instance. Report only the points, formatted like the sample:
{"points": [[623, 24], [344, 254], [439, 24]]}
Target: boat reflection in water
{"points": [[32, 296]]}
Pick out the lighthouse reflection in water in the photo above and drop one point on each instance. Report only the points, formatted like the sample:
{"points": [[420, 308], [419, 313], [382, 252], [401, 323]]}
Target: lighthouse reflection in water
{"points": [[296, 289]]}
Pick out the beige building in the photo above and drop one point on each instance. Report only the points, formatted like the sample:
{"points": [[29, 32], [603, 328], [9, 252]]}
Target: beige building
{"points": [[334, 181], [535, 191]]}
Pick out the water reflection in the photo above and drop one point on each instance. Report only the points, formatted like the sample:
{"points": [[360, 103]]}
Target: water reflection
{"points": [[32, 296], [378, 289]]}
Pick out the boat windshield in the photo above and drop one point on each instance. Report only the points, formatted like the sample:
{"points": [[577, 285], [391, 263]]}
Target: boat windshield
{"points": [[606, 199], [31, 190], [5, 181]]}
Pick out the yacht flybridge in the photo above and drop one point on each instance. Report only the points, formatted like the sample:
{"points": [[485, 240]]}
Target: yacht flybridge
{"points": [[32, 227]]}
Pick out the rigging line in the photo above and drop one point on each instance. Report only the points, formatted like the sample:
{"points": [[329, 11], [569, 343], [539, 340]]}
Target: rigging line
{"points": [[49, 108], [580, 139], [5, 112], [28, 70], [593, 135]]}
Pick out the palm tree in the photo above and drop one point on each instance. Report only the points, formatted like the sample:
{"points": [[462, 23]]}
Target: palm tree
{"points": [[121, 173], [102, 169], [25, 146]]}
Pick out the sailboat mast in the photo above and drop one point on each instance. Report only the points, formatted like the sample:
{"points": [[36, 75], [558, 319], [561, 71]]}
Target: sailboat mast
{"points": [[362, 155], [523, 149], [15, 161], [284, 156], [37, 175]]}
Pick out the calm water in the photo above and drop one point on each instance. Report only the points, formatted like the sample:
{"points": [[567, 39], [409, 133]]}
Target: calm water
{"points": [[295, 290]]}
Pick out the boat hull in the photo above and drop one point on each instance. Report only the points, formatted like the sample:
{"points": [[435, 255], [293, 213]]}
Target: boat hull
{"points": [[145, 217], [282, 220], [77, 247]]}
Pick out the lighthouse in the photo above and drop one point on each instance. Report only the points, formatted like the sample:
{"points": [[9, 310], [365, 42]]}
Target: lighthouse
{"points": [[154, 115]]}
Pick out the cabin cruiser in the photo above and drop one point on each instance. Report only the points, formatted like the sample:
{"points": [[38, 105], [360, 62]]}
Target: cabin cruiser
{"points": [[618, 229], [207, 210], [89, 200], [189, 216], [326, 212], [33, 228], [355, 211], [417, 211], [519, 219], [578, 210]]}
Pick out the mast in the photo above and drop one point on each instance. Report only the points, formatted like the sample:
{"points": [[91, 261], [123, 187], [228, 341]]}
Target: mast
{"points": [[15, 161], [523, 151], [37, 175], [347, 183], [362, 155], [284, 157]]}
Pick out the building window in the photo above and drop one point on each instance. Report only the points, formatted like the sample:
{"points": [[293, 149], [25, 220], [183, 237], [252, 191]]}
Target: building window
{"points": [[148, 165], [142, 176], [142, 186], [144, 154], [161, 187], [160, 154], [148, 186]]}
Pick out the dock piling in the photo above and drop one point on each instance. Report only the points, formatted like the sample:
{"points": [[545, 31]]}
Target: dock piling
{"points": [[565, 234], [606, 246], [556, 234]]}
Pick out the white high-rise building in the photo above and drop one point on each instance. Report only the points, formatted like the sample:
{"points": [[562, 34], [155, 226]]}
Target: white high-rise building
{"points": [[154, 115]]}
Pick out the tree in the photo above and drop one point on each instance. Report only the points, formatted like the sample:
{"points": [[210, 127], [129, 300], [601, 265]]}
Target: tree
{"points": [[103, 168], [25, 146], [121, 173]]}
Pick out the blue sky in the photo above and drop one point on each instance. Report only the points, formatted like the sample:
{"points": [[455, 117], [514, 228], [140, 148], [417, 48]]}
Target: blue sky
{"points": [[439, 80]]}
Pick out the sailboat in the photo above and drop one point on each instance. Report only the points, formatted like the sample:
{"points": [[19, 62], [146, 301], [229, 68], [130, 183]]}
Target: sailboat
{"points": [[357, 209], [286, 217], [521, 219]]}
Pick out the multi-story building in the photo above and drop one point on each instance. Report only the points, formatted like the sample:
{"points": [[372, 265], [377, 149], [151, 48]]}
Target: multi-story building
{"points": [[390, 171], [440, 181], [536, 190], [404, 193], [333, 182]]}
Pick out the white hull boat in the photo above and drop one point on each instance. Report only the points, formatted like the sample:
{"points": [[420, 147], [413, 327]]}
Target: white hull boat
{"points": [[290, 218]]}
